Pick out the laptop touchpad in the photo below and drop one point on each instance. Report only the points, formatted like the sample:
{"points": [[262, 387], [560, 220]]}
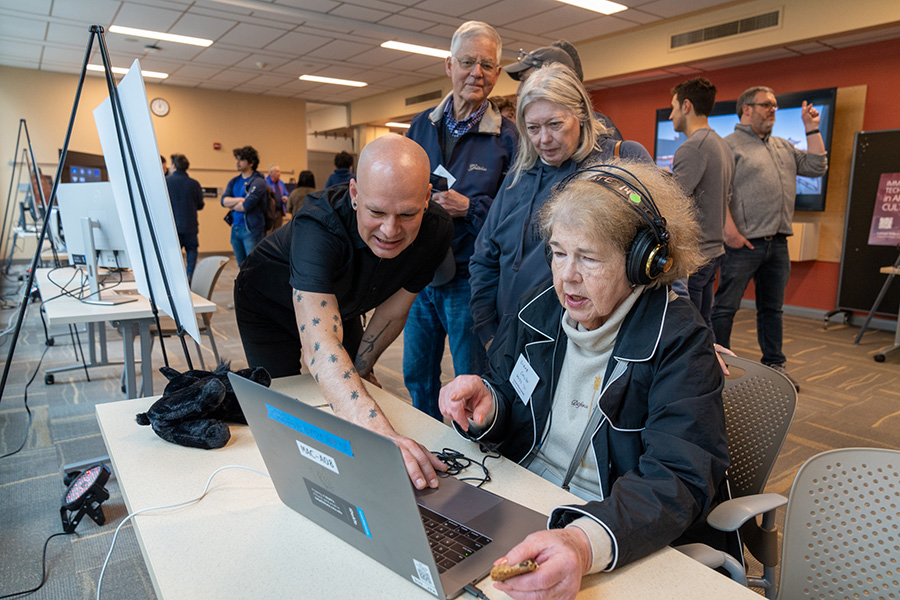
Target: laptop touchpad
{"points": [[457, 500]]}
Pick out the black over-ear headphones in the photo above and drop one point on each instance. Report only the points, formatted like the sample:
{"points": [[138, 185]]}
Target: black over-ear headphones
{"points": [[648, 255]]}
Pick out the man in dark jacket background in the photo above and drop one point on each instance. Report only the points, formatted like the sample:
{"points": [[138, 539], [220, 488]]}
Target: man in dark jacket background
{"points": [[186, 197]]}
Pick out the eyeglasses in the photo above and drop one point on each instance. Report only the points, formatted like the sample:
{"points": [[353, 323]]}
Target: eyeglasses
{"points": [[765, 105], [534, 62], [467, 64]]}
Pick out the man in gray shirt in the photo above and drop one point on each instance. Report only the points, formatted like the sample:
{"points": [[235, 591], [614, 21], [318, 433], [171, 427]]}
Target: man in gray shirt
{"points": [[762, 207], [703, 167]]}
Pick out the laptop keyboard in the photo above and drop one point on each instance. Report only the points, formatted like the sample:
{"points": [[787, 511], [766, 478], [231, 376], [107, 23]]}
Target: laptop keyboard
{"points": [[450, 542]]}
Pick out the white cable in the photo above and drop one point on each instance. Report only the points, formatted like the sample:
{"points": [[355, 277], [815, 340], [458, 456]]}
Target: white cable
{"points": [[143, 510]]}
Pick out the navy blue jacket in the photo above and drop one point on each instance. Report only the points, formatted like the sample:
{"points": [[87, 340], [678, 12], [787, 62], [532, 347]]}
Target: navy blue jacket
{"points": [[338, 177], [479, 163], [509, 253], [186, 197], [661, 449], [256, 194]]}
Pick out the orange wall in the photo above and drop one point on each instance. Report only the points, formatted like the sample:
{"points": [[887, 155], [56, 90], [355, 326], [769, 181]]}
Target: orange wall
{"points": [[813, 284]]}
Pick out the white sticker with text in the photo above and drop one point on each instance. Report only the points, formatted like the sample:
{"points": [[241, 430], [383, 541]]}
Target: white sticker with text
{"points": [[318, 457], [524, 379]]}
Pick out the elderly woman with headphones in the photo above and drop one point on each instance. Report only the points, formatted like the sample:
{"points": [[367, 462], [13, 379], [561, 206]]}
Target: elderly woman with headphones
{"points": [[607, 384], [558, 132]]}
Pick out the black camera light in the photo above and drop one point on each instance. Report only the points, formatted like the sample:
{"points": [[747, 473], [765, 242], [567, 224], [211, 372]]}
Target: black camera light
{"points": [[85, 495]]}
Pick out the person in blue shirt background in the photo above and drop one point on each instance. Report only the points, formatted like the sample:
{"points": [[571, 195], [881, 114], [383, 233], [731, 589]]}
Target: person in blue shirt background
{"points": [[245, 196]]}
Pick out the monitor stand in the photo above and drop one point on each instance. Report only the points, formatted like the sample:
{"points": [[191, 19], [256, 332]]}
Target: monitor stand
{"points": [[98, 297]]}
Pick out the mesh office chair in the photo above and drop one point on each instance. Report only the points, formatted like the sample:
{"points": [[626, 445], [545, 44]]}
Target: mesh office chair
{"points": [[759, 407], [842, 527], [203, 282]]}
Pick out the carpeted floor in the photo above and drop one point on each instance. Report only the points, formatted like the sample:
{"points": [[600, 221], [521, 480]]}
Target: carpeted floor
{"points": [[846, 399]]}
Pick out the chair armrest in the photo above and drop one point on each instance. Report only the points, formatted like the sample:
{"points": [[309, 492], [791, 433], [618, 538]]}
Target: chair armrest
{"points": [[715, 559], [731, 514]]}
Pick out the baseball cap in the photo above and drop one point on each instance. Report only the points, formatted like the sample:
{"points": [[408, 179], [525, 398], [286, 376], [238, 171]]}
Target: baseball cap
{"points": [[560, 52]]}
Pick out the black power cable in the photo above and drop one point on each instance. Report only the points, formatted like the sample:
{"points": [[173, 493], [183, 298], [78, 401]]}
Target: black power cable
{"points": [[43, 569]]}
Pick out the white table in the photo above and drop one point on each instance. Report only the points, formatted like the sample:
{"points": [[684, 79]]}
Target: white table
{"points": [[132, 319], [240, 541]]}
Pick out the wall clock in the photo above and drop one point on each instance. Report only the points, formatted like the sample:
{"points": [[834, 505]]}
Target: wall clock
{"points": [[159, 106]]}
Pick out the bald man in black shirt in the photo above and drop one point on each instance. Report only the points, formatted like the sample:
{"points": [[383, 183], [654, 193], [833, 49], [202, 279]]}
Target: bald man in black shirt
{"points": [[373, 243]]}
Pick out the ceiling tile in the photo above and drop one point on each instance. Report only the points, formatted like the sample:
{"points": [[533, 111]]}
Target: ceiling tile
{"points": [[251, 36], [69, 34], [322, 6], [340, 50], [552, 20], [30, 28], [406, 23], [637, 16], [590, 29], [93, 11], [298, 43], [269, 80], [20, 50], [508, 11], [196, 71], [145, 17], [360, 13], [456, 8], [36, 7], [254, 60], [675, 8], [62, 56], [235, 77], [217, 56], [201, 26]]}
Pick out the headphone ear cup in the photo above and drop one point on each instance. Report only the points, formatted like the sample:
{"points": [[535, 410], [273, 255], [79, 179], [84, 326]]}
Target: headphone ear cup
{"points": [[647, 258]]}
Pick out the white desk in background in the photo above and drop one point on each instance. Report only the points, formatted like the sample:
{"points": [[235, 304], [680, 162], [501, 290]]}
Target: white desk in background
{"points": [[240, 541], [132, 319]]}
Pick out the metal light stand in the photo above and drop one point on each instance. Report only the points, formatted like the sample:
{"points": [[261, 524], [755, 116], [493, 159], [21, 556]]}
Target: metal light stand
{"points": [[122, 133]]}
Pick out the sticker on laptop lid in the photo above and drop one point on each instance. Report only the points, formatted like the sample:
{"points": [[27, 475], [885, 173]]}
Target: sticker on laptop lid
{"points": [[338, 507], [317, 457], [310, 430], [423, 577]]}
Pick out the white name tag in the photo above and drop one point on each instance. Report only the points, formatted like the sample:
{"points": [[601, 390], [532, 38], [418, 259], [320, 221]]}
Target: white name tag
{"points": [[317, 457], [524, 379], [441, 171]]}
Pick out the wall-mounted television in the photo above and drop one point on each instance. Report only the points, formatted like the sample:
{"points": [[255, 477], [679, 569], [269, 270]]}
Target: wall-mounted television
{"points": [[788, 125]]}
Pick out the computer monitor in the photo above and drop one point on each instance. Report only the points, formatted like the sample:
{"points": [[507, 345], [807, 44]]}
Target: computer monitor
{"points": [[788, 125], [92, 233], [167, 267]]}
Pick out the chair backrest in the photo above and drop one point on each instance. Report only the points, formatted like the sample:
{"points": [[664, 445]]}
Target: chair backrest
{"points": [[842, 527], [206, 273], [759, 406]]}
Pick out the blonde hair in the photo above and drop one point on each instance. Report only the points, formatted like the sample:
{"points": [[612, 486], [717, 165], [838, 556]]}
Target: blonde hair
{"points": [[606, 218], [556, 83]]}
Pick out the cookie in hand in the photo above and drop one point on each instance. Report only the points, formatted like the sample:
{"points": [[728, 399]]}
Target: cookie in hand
{"points": [[504, 572]]}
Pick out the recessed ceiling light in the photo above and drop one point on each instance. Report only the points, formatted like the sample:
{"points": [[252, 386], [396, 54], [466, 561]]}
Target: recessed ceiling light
{"points": [[392, 45], [124, 71], [158, 35], [318, 79], [400, 125], [601, 6]]}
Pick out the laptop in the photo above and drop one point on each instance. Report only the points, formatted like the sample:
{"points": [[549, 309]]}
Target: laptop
{"points": [[353, 483]]}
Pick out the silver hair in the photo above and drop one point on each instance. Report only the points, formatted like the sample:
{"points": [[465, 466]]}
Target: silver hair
{"points": [[475, 29]]}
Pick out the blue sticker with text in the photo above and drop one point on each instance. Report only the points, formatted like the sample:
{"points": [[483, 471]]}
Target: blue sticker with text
{"points": [[310, 430]]}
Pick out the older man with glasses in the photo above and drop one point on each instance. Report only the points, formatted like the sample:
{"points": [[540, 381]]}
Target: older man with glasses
{"points": [[762, 208], [470, 147]]}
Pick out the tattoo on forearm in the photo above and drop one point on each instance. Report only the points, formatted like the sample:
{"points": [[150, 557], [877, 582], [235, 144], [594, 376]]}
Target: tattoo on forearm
{"points": [[324, 303], [373, 413], [302, 328], [354, 395], [316, 347], [367, 344], [333, 358], [316, 321], [298, 296], [346, 374]]}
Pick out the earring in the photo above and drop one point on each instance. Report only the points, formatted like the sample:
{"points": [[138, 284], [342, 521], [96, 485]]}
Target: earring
{"points": [[353, 204]]}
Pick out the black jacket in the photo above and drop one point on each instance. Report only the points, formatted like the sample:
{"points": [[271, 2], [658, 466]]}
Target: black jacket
{"points": [[186, 197], [661, 449]]}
